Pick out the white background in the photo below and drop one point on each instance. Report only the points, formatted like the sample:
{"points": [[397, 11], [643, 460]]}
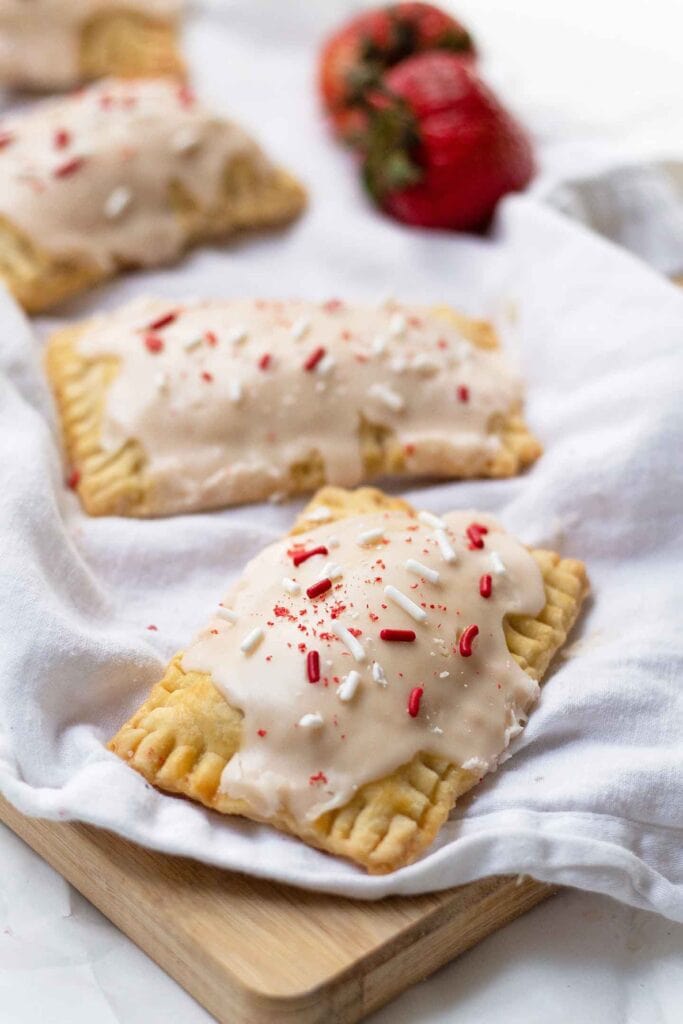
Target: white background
{"points": [[585, 69]]}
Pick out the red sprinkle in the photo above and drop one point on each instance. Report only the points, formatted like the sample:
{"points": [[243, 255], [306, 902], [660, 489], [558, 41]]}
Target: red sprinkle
{"points": [[6, 138], [404, 636], [319, 777], [475, 533], [186, 96], [62, 138], [261, 732], [314, 359], [153, 629], [208, 377], [70, 167], [485, 585], [302, 556], [153, 344], [264, 361], [74, 479], [332, 305], [414, 701], [313, 666], [321, 587], [211, 338], [463, 393], [467, 639], [163, 321]]}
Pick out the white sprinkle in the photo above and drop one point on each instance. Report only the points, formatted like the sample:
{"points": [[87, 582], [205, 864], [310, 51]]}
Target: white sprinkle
{"points": [[185, 139], [226, 613], [161, 381], [332, 542], [444, 675], [311, 721], [235, 391], [331, 571], [347, 689], [252, 640], [320, 514], [326, 365], [397, 325], [429, 519], [388, 397], [415, 612], [425, 365], [117, 202], [300, 328], [445, 547], [378, 674], [436, 730], [497, 564], [192, 344], [370, 536], [463, 349], [418, 569], [237, 335], [349, 640], [378, 345], [291, 586], [398, 364]]}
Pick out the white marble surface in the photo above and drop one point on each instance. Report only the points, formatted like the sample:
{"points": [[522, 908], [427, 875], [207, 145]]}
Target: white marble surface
{"points": [[605, 67]]}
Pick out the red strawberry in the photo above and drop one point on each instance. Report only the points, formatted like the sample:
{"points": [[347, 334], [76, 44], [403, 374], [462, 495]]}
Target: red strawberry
{"points": [[441, 150], [354, 58]]}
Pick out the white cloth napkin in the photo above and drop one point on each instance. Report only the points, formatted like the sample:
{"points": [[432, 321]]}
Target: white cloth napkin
{"points": [[592, 796]]}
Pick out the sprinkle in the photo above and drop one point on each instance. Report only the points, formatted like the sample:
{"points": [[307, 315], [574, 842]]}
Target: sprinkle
{"points": [[332, 570], [252, 640], [387, 397], [316, 355], [320, 514], [186, 96], [153, 628], [378, 674], [347, 690], [227, 613], [370, 537], [474, 531], [405, 603], [445, 547], [208, 377], [319, 777], [302, 556], [497, 564], [65, 170], [235, 391], [463, 393], [425, 365], [311, 721], [153, 344], [6, 138], [378, 345], [291, 586], [429, 519], [418, 569], [326, 365], [397, 325], [321, 587], [61, 138], [264, 361], [237, 335], [401, 636], [211, 337], [333, 542], [399, 364], [185, 139], [261, 732], [349, 640], [161, 382], [313, 666], [192, 344], [162, 321], [466, 640], [414, 701], [332, 305], [444, 675], [117, 202], [300, 328], [485, 585], [74, 479], [437, 730]]}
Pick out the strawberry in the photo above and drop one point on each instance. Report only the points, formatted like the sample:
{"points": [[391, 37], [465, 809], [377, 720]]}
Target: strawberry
{"points": [[441, 150], [354, 58]]}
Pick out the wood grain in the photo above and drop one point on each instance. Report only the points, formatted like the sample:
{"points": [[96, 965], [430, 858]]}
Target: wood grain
{"points": [[255, 952]]}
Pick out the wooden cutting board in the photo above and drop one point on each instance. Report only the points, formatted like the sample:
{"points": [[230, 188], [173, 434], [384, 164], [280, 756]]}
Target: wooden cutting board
{"points": [[254, 952]]}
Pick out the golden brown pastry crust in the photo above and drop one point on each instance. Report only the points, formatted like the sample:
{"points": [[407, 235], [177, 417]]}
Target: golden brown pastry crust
{"points": [[129, 44], [181, 738], [117, 483]]}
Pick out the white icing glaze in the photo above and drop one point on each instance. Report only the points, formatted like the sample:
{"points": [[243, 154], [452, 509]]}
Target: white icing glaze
{"points": [[40, 39], [470, 708], [67, 165], [204, 448]]}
